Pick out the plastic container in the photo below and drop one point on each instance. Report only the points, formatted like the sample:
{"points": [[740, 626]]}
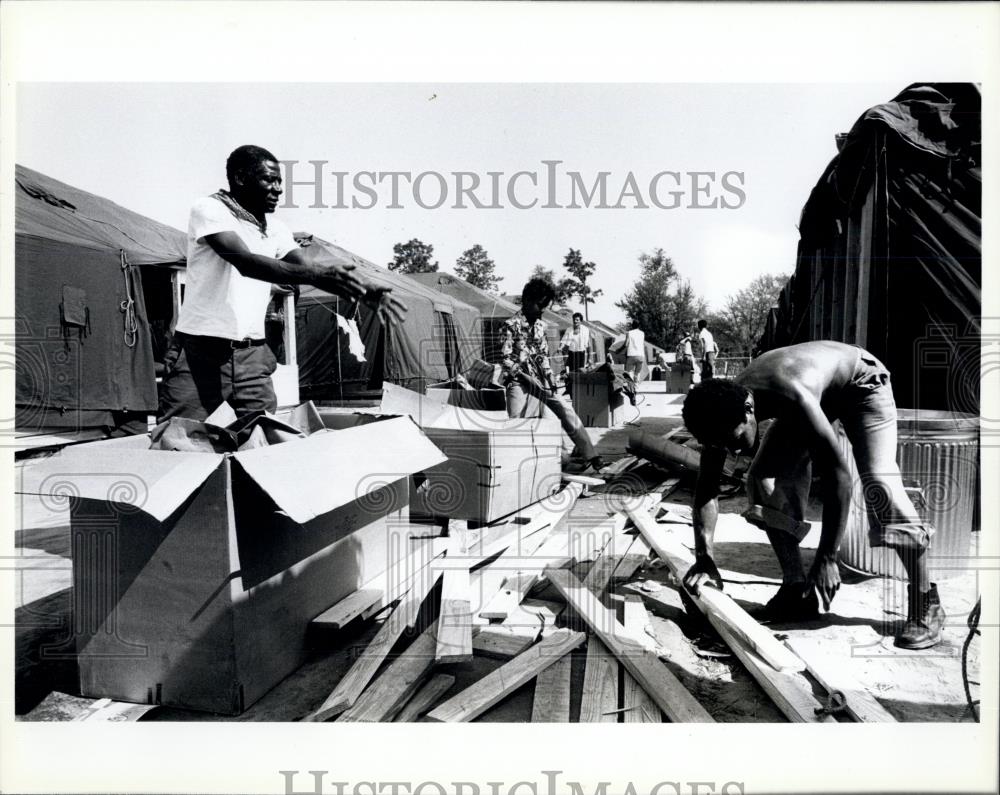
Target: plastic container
{"points": [[938, 455]]}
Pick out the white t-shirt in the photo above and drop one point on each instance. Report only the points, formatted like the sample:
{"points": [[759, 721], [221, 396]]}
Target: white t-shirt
{"points": [[707, 343], [635, 343], [576, 341], [218, 300]]}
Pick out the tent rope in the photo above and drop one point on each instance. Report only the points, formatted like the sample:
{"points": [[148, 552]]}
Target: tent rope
{"points": [[128, 305]]}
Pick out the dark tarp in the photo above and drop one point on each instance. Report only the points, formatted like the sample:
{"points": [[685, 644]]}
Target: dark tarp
{"points": [[916, 163], [82, 341], [439, 339], [495, 310]]}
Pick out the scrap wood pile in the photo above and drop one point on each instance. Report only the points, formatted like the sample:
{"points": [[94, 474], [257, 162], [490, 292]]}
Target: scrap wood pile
{"points": [[485, 608]]}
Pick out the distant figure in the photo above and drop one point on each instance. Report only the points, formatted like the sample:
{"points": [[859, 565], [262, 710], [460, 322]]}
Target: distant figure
{"points": [[575, 343], [708, 350], [634, 343], [685, 353]]}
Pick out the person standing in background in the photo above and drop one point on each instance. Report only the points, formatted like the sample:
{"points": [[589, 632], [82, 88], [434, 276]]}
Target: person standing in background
{"points": [[575, 343], [634, 342], [708, 350]]}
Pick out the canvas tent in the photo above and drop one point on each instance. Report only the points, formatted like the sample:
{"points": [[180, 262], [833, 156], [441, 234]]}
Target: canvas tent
{"points": [[890, 255], [496, 309], [439, 339], [84, 358]]}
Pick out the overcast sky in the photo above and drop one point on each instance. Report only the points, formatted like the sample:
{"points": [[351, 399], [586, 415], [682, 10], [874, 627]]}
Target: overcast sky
{"points": [[154, 148]]}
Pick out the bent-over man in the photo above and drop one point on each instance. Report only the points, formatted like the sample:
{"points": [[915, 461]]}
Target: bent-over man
{"points": [[803, 389]]}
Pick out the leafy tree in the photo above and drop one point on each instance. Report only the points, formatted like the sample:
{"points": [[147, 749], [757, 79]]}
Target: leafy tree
{"points": [[413, 257], [561, 287], [665, 305], [741, 323], [576, 282], [476, 267]]}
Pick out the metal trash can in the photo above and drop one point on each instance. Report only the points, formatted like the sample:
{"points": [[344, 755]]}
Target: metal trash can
{"points": [[938, 456]]}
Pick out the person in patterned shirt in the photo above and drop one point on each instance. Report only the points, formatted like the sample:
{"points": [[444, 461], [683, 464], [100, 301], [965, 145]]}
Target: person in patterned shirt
{"points": [[526, 370]]}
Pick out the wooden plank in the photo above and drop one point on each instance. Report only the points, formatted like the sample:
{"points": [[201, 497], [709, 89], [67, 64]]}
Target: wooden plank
{"points": [[600, 572], [679, 705], [637, 705], [385, 697], [552, 693], [348, 689], [495, 686], [498, 641], [454, 636], [583, 480], [426, 697], [718, 607], [789, 691], [350, 608], [861, 705], [635, 558], [529, 621], [516, 587], [599, 703]]}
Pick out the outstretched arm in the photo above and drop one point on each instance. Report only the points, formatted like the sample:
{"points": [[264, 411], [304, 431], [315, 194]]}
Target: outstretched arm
{"points": [[705, 514], [298, 268]]}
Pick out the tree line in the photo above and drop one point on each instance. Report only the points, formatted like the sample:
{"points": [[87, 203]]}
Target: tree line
{"points": [[663, 303]]}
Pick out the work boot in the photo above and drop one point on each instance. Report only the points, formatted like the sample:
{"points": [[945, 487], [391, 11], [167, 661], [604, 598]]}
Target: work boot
{"points": [[794, 601], [924, 620]]}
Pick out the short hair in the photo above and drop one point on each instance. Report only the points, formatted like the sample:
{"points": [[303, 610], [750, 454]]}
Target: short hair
{"points": [[539, 291], [246, 158], [714, 405], [578, 315], [702, 324]]}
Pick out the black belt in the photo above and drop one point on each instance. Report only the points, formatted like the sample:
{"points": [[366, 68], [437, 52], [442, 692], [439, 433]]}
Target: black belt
{"points": [[246, 342]]}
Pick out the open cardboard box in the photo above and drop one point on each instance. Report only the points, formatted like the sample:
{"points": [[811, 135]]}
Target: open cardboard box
{"points": [[196, 574], [496, 465]]}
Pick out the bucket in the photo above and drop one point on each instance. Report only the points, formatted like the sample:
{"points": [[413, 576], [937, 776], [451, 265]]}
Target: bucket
{"points": [[938, 456]]}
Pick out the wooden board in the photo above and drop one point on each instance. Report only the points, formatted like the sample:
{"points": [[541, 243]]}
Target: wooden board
{"points": [[583, 480], [516, 587], [790, 692], [350, 608], [499, 642], [635, 558], [637, 705], [718, 607], [679, 705], [348, 689], [600, 572], [599, 703], [454, 635], [552, 693], [862, 706], [495, 686], [426, 697], [529, 621], [387, 695]]}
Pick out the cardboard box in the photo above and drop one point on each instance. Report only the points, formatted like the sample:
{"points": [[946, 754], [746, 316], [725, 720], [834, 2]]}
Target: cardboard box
{"points": [[196, 574], [679, 381], [594, 402], [495, 466], [476, 399]]}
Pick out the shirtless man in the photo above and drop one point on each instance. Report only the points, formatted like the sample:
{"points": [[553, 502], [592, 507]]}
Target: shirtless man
{"points": [[803, 389]]}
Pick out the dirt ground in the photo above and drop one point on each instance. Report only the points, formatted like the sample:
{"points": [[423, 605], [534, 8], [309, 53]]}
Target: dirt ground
{"points": [[855, 636]]}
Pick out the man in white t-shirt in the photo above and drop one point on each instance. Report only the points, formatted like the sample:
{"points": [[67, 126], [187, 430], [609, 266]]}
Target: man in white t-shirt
{"points": [[234, 256], [634, 343], [708, 350], [575, 343]]}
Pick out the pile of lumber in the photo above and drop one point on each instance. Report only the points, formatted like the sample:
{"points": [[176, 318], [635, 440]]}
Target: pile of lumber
{"points": [[482, 588]]}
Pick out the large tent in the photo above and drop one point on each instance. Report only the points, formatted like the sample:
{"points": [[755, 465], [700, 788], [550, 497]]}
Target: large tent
{"points": [[84, 357], [890, 255], [439, 339], [495, 310]]}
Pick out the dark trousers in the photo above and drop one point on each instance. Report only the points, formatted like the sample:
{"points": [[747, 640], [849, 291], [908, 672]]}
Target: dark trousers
{"points": [[575, 360], [202, 372], [708, 367]]}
